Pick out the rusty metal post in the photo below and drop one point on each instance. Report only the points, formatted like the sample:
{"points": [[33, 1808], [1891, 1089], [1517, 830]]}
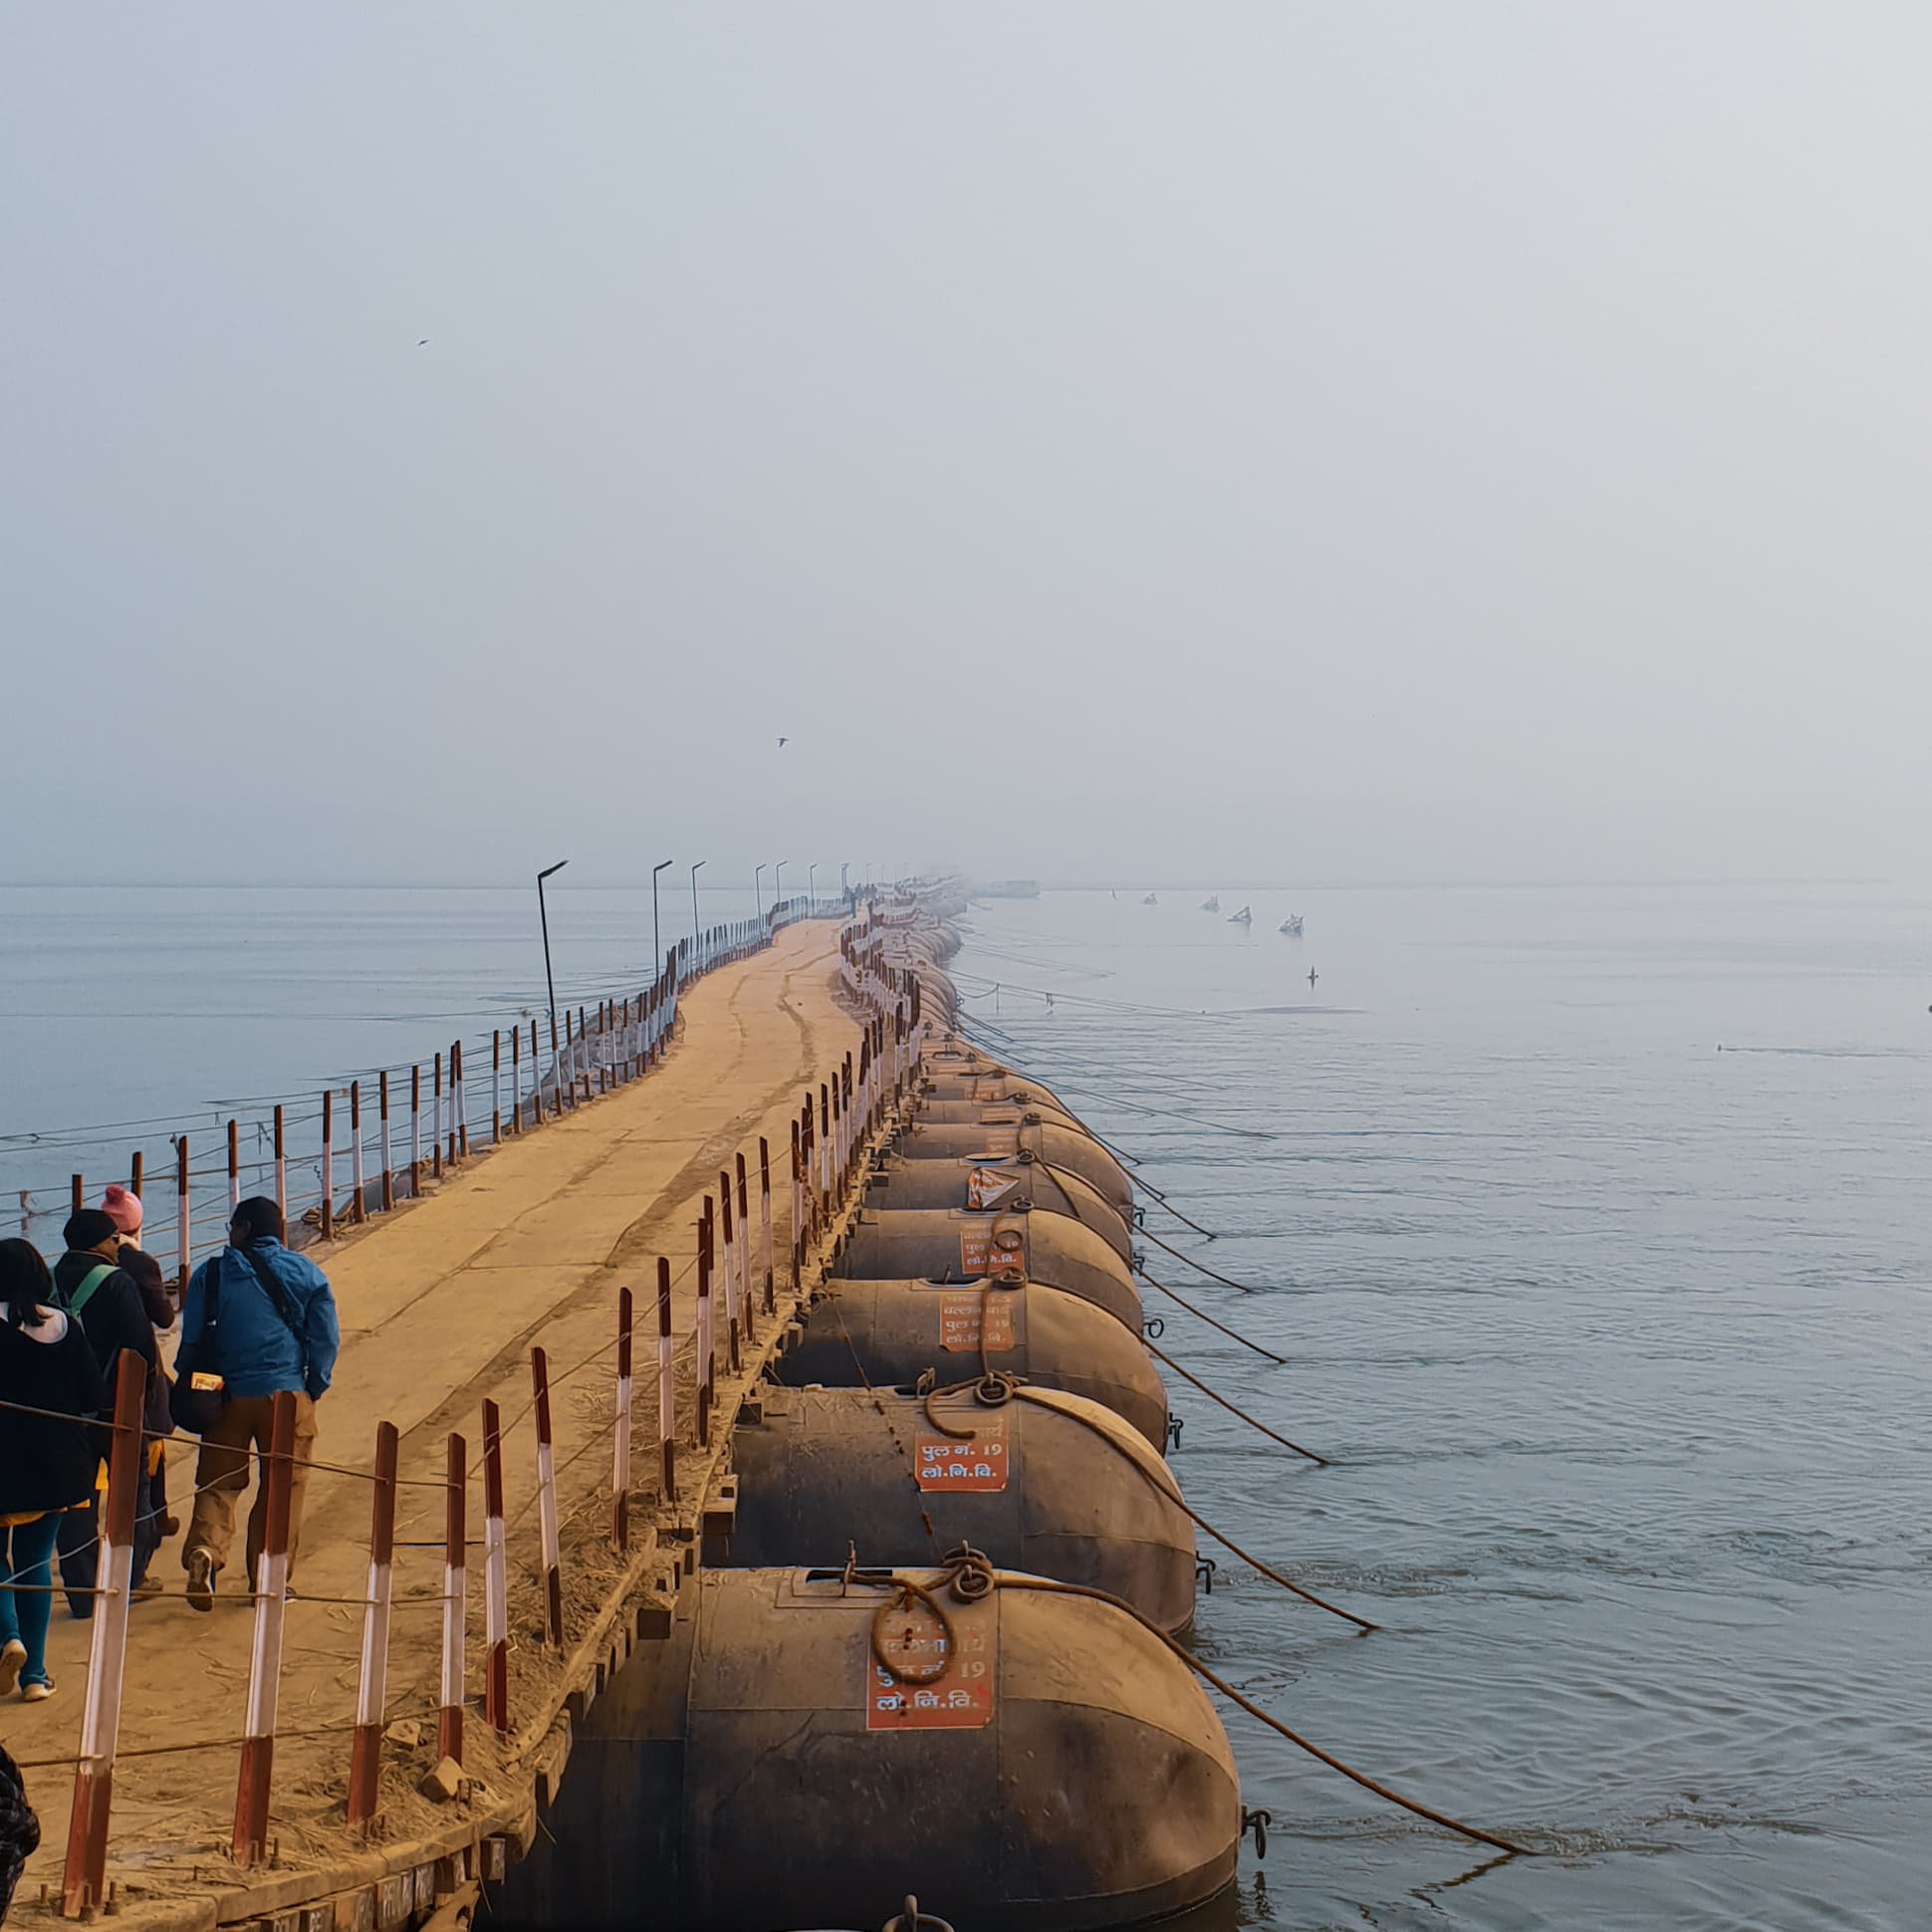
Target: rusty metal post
{"points": [[798, 1209], [372, 1686], [705, 1350], [496, 1086], [134, 1175], [516, 1079], [82, 1886], [666, 1386], [449, 1717], [77, 1194], [459, 1123], [389, 1168], [731, 1300], [281, 1170], [765, 1223], [181, 1228], [234, 1167], [620, 1436], [250, 1844], [358, 1212], [496, 1577], [327, 1163], [415, 1132], [747, 1298], [436, 1123], [547, 1502]]}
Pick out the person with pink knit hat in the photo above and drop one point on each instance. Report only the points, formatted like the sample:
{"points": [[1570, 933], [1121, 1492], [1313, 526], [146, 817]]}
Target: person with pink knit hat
{"points": [[123, 1209]]}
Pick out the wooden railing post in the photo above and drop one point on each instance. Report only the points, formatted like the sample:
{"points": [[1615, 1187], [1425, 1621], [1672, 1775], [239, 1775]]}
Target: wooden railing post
{"points": [[449, 1718], [547, 1503], [666, 1386], [620, 1437], [389, 1168], [281, 1171], [250, 1841], [358, 1212], [371, 1689], [731, 1300], [765, 1223], [415, 1132], [705, 1352], [82, 1887], [181, 1228], [327, 1163], [496, 1577], [234, 1167]]}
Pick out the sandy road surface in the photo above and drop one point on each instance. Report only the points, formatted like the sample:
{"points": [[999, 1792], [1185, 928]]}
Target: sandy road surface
{"points": [[440, 1303]]}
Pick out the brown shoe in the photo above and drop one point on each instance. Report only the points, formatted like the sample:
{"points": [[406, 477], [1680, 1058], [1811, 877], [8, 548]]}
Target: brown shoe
{"points": [[201, 1580]]}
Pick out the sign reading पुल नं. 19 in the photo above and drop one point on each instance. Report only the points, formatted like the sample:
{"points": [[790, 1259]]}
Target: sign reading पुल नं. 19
{"points": [[961, 1316], [975, 1462], [960, 1698]]}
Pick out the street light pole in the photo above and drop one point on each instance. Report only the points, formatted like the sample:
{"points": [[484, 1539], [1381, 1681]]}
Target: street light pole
{"points": [[775, 869], [656, 943], [543, 917], [811, 888], [756, 870], [844, 891], [694, 909]]}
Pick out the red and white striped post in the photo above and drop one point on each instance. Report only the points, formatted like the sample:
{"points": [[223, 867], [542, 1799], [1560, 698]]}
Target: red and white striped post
{"points": [[234, 1169], [798, 1208], [182, 1229], [250, 1844], [327, 1163], [281, 1170], [496, 1577], [496, 1086], [747, 1299], [449, 1717], [705, 1352], [666, 1387], [382, 1118], [822, 1144], [358, 1210], [731, 1299], [415, 1132], [620, 1438], [547, 1502], [84, 1884], [765, 1222], [372, 1686]]}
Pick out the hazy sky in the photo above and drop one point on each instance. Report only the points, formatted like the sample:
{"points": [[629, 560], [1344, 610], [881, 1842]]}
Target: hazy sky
{"points": [[1287, 441]]}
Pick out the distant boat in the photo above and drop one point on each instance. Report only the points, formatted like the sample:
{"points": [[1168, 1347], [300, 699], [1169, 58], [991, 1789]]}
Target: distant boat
{"points": [[1212, 904], [1292, 926], [1151, 900], [1242, 918]]}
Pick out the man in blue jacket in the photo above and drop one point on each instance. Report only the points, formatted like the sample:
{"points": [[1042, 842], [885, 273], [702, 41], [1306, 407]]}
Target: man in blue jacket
{"points": [[274, 1329]]}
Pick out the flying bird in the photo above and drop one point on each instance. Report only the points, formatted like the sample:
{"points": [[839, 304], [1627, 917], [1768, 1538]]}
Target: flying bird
{"points": [[424, 343], [785, 741]]}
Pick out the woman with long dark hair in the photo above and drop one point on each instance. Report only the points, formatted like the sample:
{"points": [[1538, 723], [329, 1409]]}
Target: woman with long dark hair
{"points": [[49, 1383]]}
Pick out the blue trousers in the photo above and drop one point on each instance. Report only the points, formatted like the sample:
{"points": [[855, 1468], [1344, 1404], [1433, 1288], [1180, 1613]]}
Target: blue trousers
{"points": [[24, 1553]]}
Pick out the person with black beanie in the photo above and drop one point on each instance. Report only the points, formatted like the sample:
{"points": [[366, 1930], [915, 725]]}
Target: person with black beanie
{"points": [[100, 1295]]}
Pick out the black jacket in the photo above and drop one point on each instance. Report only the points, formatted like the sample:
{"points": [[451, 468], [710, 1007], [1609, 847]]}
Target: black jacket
{"points": [[47, 1464], [116, 1317]]}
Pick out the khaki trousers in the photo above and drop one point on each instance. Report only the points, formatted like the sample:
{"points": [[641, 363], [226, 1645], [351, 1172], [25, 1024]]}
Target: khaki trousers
{"points": [[221, 1475]]}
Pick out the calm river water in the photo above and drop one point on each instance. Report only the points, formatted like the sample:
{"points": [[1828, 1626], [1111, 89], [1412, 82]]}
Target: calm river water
{"points": [[1619, 1340]]}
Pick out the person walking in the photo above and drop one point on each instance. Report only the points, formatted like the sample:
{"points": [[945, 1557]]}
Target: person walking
{"points": [[97, 1292], [151, 1520], [47, 1461], [263, 1319]]}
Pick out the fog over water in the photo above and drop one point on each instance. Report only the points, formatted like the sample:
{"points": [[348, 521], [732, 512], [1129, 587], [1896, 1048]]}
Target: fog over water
{"points": [[1376, 441]]}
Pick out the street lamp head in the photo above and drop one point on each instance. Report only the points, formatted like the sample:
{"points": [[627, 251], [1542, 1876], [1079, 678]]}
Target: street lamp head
{"points": [[659, 866], [548, 869]]}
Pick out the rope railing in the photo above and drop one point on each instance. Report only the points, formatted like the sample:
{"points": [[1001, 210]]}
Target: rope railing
{"points": [[739, 1297]]}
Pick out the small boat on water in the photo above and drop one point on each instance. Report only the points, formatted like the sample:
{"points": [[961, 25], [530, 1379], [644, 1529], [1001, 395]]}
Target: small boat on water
{"points": [[1212, 904], [1242, 918], [1151, 900], [1292, 926]]}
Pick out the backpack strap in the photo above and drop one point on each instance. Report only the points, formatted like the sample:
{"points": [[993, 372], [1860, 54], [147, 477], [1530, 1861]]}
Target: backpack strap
{"points": [[91, 1281], [277, 1296]]}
